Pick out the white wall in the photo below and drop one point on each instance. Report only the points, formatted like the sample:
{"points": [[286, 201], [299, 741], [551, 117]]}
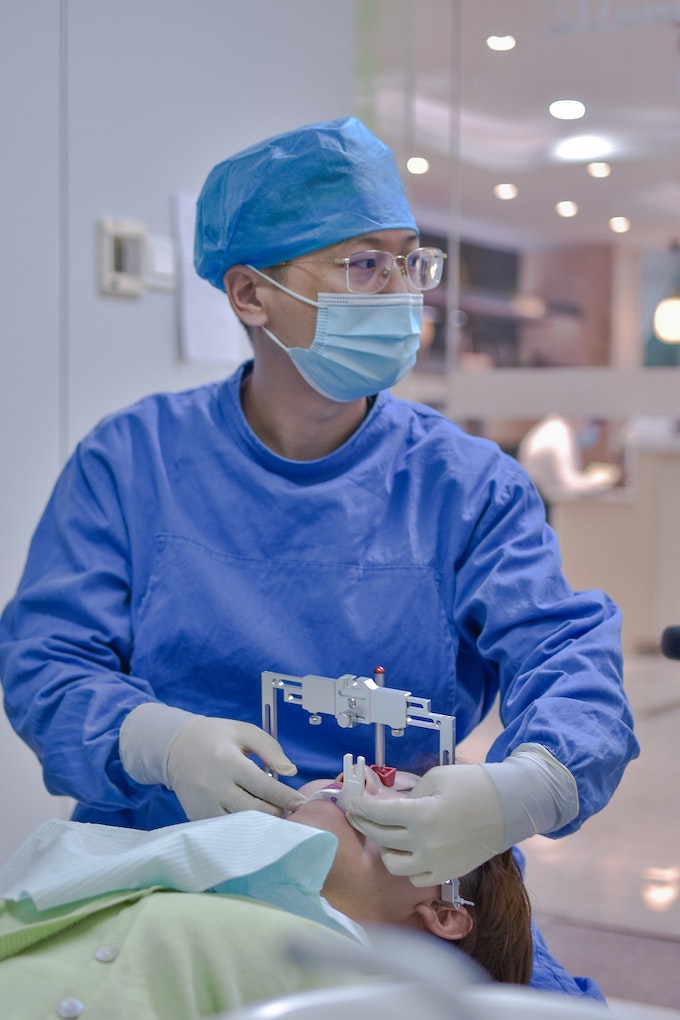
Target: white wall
{"points": [[108, 109], [29, 338]]}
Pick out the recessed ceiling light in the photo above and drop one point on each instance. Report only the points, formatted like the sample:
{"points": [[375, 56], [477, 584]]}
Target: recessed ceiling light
{"points": [[417, 165], [566, 209], [582, 147], [619, 224], [501, 42], [599, 169], [567, 109], [505, 191]]}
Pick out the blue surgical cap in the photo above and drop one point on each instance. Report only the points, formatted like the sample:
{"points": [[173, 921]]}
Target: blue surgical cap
{"points": [[296, 193]]}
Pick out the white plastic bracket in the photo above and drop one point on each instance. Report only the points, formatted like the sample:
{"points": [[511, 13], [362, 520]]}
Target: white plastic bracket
{"points": [[122, 257]]}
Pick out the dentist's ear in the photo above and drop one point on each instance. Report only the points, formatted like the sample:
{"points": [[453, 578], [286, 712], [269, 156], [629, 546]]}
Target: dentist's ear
{"points": [[245, 290], [444, 920]]}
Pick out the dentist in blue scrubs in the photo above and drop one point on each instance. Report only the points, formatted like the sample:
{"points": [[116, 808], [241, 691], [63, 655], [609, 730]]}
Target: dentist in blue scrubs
{"points": [[300, 518]]}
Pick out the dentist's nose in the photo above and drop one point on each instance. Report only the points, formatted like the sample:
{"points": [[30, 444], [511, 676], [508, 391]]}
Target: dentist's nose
{"points": [[398, 282]]}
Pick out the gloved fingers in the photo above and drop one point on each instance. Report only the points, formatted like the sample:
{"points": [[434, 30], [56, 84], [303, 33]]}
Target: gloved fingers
{"points": [[422, 868], [398, 822], [435, 780], [232, 798], [382, 812], [255, 741], [198, 804], [409, 865], [398, 862], [253, 789], [392, 836], [235, 799]]}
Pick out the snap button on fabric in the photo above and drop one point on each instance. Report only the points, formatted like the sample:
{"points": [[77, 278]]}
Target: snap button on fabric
{"points": [[106, 954], [69, 1008]]}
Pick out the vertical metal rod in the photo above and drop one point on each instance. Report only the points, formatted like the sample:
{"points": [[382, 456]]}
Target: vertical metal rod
{"points": [[379, 677]]}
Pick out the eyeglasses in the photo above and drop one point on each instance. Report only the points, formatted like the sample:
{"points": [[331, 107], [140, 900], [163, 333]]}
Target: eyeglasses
{"points": [[367, 272]]}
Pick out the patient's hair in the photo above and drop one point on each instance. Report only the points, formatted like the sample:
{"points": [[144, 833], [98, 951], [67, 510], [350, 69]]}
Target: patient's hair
{"points": [[500, 939]]}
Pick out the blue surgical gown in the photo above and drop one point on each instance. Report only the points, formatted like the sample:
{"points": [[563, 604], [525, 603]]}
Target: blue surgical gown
{"points": [[178, 558]]}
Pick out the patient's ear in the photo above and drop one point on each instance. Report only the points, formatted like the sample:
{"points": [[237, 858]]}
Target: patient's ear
{"points": [[444, 920]]}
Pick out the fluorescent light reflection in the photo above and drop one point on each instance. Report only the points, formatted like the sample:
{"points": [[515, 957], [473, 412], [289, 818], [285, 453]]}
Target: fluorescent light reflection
{"points": [[567, 109], [599, 169], [417, 165], [566, 209], [500, 43], [660, 888], [619, 224], [582, 147], [505, 191]]}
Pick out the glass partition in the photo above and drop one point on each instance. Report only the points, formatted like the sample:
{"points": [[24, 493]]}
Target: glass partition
{"points": [[559, 223]]}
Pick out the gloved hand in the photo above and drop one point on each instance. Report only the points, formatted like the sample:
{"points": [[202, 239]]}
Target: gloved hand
{"points": [[457, 817], [204, 760]]}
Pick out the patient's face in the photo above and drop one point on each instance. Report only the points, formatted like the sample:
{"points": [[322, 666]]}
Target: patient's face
{"points": [[358, 883]]}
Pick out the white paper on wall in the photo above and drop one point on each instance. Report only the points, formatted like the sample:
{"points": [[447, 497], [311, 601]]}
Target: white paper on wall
{"points": [[209, 329]]}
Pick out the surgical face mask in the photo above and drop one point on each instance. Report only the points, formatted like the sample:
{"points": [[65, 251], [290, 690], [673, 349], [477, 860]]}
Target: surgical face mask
{"points": [[363, 343]]}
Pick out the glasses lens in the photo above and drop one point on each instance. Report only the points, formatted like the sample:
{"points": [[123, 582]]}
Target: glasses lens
{"points": [[368, 271], [424, 267]]}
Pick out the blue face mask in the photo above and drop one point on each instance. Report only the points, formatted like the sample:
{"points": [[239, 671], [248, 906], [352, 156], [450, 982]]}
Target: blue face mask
{"points": [[363, 343]]}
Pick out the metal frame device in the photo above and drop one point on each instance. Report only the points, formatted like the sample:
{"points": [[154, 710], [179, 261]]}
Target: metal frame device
{"points": [[361, 700], [356, 700]]}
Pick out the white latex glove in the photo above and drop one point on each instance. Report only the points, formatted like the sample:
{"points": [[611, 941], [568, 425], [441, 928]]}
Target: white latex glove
{"points": [[204, 760], [457, 817]]}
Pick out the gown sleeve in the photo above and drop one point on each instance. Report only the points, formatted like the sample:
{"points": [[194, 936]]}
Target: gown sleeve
{"points": [[65, 639], [557, 652]]}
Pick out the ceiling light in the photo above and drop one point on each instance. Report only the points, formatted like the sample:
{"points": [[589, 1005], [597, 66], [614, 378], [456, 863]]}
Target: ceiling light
{"points": [[566, 209], [599, 169], [619, 224], [582, 147], [500, 43], [417, 165], [505, 191], [567, 109]]}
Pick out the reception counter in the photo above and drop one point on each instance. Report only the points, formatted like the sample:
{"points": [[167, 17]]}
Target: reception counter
{"points": [[627, 542]]}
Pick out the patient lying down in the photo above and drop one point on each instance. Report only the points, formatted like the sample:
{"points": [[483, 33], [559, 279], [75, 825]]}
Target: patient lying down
{"points": [[193, 919], [495, 931]]}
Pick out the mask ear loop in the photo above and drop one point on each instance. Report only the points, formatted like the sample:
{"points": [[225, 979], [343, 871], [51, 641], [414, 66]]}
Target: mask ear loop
{"points": [[286, 290]]}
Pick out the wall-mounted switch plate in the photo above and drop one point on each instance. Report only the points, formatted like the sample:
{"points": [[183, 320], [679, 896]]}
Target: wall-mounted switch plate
{"points": [[122, 257]]}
